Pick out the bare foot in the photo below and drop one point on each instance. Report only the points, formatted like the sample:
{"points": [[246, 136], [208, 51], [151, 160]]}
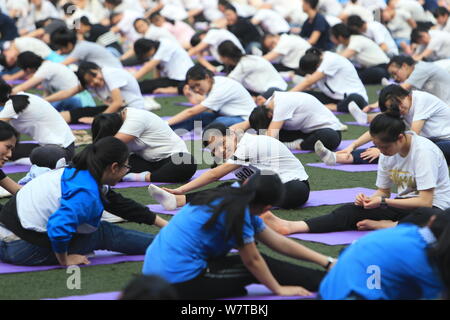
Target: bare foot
{"points": [[279, 225], [375, 225]]}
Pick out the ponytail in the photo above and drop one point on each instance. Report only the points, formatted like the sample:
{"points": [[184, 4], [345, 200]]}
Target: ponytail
{"points": [[310, 61], [106, 125]]}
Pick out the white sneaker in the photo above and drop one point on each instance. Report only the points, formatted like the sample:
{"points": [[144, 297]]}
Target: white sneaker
{"points": [[151, 104], [327, 156], [294, 145], [4, 193], [109, 217], [343, 127], [164, 198], [360, 116]]}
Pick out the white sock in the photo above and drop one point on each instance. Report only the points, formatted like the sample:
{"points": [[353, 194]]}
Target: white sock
{"points": [[294, 145], [359, 115], [164, 198], [327, 156], [139, 177]]}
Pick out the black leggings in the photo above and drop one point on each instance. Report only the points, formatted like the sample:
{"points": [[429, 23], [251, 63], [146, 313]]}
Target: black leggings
{"points": [[228, 276], [373, 75], [76, 114], [346, 217], [148, 86], [179, 167], [296, 193], [43, 156], [342, 105], [330, 138], [357, 157]]}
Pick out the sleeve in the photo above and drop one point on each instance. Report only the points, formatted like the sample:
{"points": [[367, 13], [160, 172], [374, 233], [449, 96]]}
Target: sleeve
{"points": [[282, 111], [383, 178], [426, 170], [252, 225], [241, 156], [238, 73], [215, 100], [133, 126], [114, 80], [425, 111], [42, 72], [79, 52], [355, 44], [164, 53], [128, 209], [283, 46], [320, 24], [435, 44], [211, 37], [8, 111], [418, 77], [76, 208], [328, 68]]}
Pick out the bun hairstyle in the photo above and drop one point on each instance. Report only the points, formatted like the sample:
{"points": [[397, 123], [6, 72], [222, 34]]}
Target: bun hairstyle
{"points": [[310, 61], [387, 126]]}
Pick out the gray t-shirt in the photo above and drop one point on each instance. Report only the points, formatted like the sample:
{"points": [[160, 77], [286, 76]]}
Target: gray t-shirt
{"points": [[430, 78], [93, 52]]}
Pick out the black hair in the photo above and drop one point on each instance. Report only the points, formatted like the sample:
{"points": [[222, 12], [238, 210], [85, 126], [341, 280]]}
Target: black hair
{"points": [[7, 131], [143, 46], [68, 8], [263, 40], [86, 68], [96, 157], [195, 40], [440, 11], [114, 2], [85, 21], [106, 125], [63, 37], [259, 190], [310, 61], [29, 60], [227, 6], [229, 50], [387, 126], [391, 93], [148, 287], [140, 19], [198, 72], [340, 30], [355, 23], [19, 101], [211, 130], [157, 14], [416, 34], [259, 118], [312, 3], [3, 61], [402, 59]]}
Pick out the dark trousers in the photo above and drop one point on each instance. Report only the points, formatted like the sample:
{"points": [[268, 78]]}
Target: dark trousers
{"points": [[148, 86], [330, 138], [342, 105], [357, 157], [228, 276], [346, 217], [373, 75], [179, 167]]}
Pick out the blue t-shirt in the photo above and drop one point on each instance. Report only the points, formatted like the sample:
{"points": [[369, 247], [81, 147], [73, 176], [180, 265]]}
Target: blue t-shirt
{"points": [[386, 264], [182, 248], [8, 29], [319, 23]]}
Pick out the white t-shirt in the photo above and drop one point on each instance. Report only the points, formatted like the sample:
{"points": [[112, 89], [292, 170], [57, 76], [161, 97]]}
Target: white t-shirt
{"points": [[126, 24], [174, 60], [292, 48], [423, 168], [303, 112], [93, 52], [434, 111], [174, 9], [229, 98], [156, 33], [120, 79], [439, 44], [263, 153], [341, 77], [34, 45], [155, 140], [330, 7], [414, 8], [399, 25], [257, 74], [379, 34], [356, 9], [215, 37], [56, 76], [272, 22], [40, 121], [368, 53]]}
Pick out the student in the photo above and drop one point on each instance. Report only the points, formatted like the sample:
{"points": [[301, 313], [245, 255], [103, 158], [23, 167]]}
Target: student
{"points": [[421, 273], [150, 31], [8, 29], [370, 59], [57, 215], [221, 219], [228, 100], [271, 22], [182, 31], [284, 50], [159, 155], [211, 40], [33, 116], [298, 119], [116, 87], [244, 154], [335, 76], [172, 62], [316, 28], [442, 23], [400, 23], [255, 73], [374, 31], [412, 164], [424, 113], [67, 43], [54, 77], [432, 44]]}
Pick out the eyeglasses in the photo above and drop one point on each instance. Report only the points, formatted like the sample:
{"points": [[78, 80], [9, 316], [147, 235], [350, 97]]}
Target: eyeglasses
{"points": [[127, 166]]}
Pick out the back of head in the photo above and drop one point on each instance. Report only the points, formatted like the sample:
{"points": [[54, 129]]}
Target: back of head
{"points": [[440, 11], [85, 21], [340, 30], [198, 72], [106, 125], [402, 59], [63, 37], [29, 60], [143, 46], [149, 287], [259, 118], [7, 131], [312, 3], [392, 93], [267, 186], [229, 50], [310, 61], [355, 23], [387, 127], [196, 38], [416, 34], [69, 8]]}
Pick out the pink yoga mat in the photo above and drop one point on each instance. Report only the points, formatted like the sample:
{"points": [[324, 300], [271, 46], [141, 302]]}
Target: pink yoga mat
{"points": [[15, 168], [347, 167], [102, 257], [331, 238]]}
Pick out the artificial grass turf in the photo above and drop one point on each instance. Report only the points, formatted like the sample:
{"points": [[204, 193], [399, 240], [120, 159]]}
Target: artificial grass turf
{"points": [[52, 284]]}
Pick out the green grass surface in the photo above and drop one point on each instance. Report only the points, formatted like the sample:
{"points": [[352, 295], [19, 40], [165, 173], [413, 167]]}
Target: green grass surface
{"points": [[52, 284]]}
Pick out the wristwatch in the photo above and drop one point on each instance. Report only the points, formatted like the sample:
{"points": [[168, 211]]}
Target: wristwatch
{"points": [[331, 260], [383, 204]]}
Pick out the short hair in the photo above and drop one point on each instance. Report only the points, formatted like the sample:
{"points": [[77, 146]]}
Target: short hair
{"points": [[310, 61], [440, 11], [402, 59], [195, 40], [312, 3], [342, 30], [29, 60], [143, 46], [198, 72], [416, 34], [63, 37]]}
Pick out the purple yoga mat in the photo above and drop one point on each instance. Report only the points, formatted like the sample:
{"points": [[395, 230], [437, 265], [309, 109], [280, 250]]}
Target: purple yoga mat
{"points": [[162, 95], [346, 167], [80, 126], [354, 123], [102, 257], [15, 168], [15, 82], [190, 136], [331, 238], [94, 296], [184, 104]]}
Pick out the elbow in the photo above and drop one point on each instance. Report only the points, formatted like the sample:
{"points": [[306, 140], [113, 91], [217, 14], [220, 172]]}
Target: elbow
{"points": [[252, 261]]}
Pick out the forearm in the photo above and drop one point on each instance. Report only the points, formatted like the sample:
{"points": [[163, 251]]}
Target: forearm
{"points": [[409, 203], [381, 193], [363, 139], [180, 117], [160, 222], [113, 107], [205, 179], [258, 267], [62, 258]]}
